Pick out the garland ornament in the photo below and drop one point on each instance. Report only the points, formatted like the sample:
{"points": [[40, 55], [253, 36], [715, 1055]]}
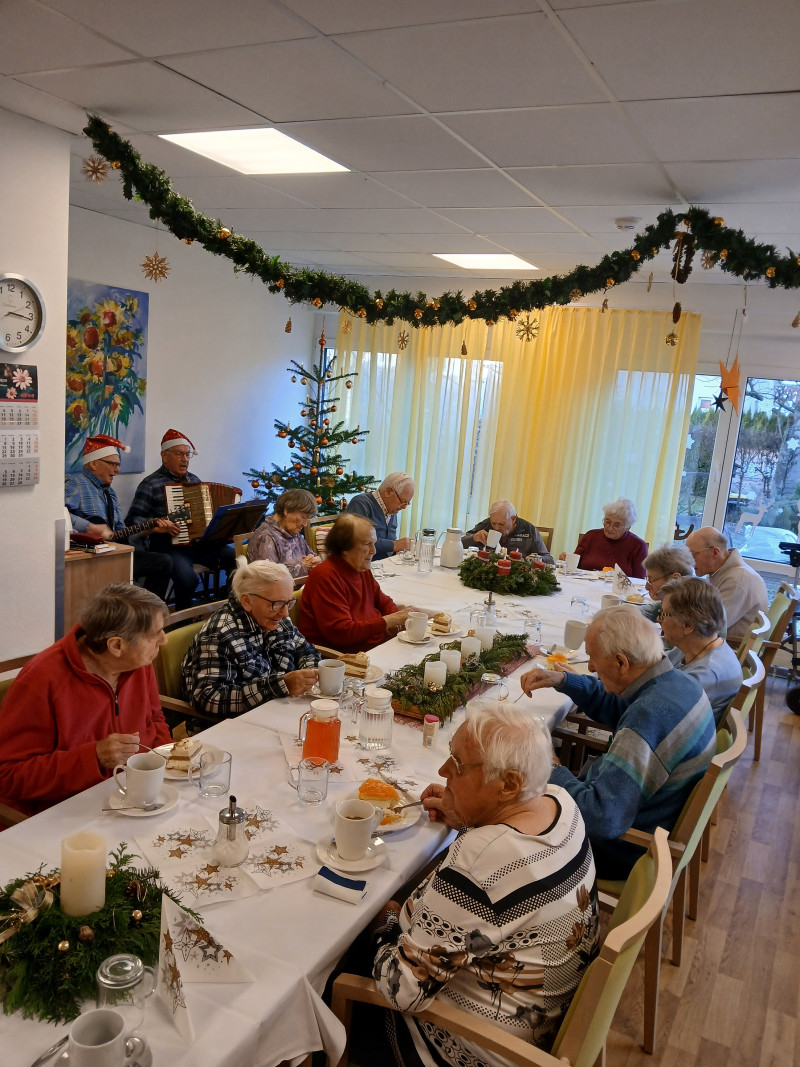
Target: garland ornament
{"points": [[732, 251], [29, 899]]}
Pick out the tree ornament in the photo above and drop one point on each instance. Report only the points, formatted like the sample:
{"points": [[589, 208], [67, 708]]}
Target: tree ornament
{"points": [[676, 312], [279, 284], [155, 267], [528, 329], [290, 443], [86, 935], [610, 282], [379, 303], [294, 377], [463, 348], [796, 320], [575, 295], [708, 259], [342, 504], [304, 381], [303, 448], [671, 339], [188, 240], [304, 413], [604, 306], [719, 402], [326, 422], [330, 502], [63, 946], [95, 169], [223, 233], [770, 272], [682, 255], [339, 470], [347, 326], [137, 915], [116, 164], [723, 254], [512, 314], [276, 479], [317, 302], [313, 471], [333, 408], [298, 466], [636, 255], [312, 422], [255, 485], [318, 499], [650, 282], [418, 313], [288, 329], [282, 433], [719, 221], [402, 340], [472, 305], [355, 440], [348, 384], [324, 442]]}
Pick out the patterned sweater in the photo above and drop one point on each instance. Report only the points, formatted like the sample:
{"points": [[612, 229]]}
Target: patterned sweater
{"points": [[504, 928], [664, 738], [233, 665]]}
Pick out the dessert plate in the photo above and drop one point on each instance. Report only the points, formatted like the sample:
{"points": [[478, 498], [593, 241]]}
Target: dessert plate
{"points": [[168, 797], [175, 774], [403, 820], [403, 636], [373, 857]]}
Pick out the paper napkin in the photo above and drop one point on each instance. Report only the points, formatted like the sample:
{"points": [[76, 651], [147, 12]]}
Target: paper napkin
{"points": [[622, 584], [337, 885]]}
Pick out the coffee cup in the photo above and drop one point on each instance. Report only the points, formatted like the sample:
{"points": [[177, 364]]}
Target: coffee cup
{"points": [[331, 676], [492, 538], [572, 560], [144, 778], [574, 633], [609, 600], [416, 625], [355, 822], [97, 1039]]}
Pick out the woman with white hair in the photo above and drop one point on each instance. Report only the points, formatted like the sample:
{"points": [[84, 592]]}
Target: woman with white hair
{"points": [[507, 923], [614, 543], [280, 537], [250, 651]]}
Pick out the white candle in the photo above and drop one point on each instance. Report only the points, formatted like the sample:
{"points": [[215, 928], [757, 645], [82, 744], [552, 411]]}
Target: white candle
{"points": [[83, 873], [485, 635], [435, 672], [451, 658], [470, 646]]}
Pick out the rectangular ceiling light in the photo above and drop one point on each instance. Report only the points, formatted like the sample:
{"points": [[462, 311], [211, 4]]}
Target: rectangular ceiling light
{"points": [[258, 151], [483, 261]]}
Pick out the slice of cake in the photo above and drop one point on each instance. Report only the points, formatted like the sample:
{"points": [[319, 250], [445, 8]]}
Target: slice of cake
{"points": [[182, 752], [356, 664], [381, 795], [440, 624]]}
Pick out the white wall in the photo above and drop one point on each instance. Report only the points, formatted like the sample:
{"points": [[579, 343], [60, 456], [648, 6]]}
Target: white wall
{"points": [[34, 183], [217, 351]]}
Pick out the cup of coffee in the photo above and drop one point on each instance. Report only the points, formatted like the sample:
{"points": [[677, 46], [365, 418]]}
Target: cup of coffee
{"points": [[144, 778], [310, 779], [609, 600], [331, 676], [416, 625], [492, 538], [572, 560], [210, 771], [574, 633], [355, 822], [97, 1039]]}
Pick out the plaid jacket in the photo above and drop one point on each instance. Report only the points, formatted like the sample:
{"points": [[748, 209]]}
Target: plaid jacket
{"points": [[86, 502], [233, 665]]}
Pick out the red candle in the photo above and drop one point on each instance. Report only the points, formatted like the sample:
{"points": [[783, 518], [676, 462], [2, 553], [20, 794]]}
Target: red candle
{"points": [[539, 565], [504, 566], [483, 554], [515, 555]]}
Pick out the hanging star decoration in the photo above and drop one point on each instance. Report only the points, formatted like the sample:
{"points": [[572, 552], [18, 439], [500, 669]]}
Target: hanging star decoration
{"points": [[347, 327], [402, 340], [95, 169], [155, 267], [729, 382], [527, 329], [792, 444], [719, 402]]}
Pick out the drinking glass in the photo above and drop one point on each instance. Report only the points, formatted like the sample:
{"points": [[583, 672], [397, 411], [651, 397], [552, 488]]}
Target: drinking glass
{"points": [[124, 983], [579, 607], [310, 779], [533, 625], [493, 686], [211, 772]]}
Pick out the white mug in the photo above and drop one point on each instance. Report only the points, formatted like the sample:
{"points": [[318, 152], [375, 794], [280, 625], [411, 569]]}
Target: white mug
{"points": [[331, 676], [609, 600], [354, 825], [574, 633], [572, 560], [97, 1039], [492, 539], [144, 777], [416, 625]]}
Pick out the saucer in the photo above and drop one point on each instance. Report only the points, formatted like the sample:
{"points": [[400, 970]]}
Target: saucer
{"points": [[168, 796], [373, 857], [403, 636], [141, 1058]]}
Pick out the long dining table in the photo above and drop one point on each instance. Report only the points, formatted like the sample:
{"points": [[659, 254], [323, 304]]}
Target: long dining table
{"points": [[287, 936]]}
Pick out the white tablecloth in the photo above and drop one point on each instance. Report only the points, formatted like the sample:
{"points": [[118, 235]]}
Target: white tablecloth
{"points": [[288, 937]]}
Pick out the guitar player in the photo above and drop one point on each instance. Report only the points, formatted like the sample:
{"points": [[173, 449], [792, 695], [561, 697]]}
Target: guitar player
{"points": [[93, 509]]}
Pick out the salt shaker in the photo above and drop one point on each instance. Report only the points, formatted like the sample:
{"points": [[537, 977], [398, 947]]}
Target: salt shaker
{"points": [[231, 847]]}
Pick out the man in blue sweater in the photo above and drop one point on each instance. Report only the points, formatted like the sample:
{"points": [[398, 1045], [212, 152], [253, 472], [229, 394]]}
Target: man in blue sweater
{"points": [[381, 506], [663, 735]]}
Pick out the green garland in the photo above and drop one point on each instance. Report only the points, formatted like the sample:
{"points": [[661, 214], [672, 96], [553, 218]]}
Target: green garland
{"points": [[48, 967], [735, 253], [523, 580], [409, 691]]}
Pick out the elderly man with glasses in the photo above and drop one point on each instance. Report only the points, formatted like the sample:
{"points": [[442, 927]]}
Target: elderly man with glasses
{"points": [[249, 651], [94, 509], [742, 589], [149, 502], [381, 507], [516, 534]]}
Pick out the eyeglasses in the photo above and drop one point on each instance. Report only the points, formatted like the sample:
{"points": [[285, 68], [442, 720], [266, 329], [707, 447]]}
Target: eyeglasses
{"points": [[665, 615], [178, 452], [613, 525], [110, 463], [459, 765], [403, 503], [652, 581], [275, 605]]}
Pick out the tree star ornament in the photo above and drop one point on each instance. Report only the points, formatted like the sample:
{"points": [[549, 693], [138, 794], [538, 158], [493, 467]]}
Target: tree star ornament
{"points": [[95, 169], [527, 329], [719, 402], [155, 267], [730, 378], [402, 340]]}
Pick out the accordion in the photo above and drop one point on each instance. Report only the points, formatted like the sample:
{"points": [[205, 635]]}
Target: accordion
{"points": [[201, 499]]}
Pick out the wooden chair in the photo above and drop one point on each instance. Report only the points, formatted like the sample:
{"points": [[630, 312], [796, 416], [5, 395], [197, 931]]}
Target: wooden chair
{"points": [[10, 816], [684, 841], [294, 610], [167, 665], [754, 638], [320, 525], [580, 1041], [781, 612], [546, 533]]}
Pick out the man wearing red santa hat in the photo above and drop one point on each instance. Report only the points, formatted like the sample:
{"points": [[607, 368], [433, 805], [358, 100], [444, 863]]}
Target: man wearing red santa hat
{"points": [[94, 509], [149, 502]]}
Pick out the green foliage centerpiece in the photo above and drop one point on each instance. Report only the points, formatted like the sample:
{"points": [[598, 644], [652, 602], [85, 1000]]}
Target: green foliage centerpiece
{"points": [[412, 697], [523, 579], [48, 960]]}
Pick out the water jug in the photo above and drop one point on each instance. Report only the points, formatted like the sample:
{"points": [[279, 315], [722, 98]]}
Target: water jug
{"points": [[427, 549], [452, 549]]}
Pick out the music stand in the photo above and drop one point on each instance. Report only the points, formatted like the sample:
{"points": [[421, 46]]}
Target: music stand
{"points": [[232, 519]]}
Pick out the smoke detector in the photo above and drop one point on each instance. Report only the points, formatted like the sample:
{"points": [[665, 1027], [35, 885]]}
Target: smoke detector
{"points": [[628, 223]]}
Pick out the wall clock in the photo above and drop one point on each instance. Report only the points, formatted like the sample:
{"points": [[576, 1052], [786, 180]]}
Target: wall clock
{"points": [[21, 313]]}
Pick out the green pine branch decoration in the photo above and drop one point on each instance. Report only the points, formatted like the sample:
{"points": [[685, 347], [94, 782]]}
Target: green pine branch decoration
{"points": [[732, 250], [48, 966], [523, 580]]}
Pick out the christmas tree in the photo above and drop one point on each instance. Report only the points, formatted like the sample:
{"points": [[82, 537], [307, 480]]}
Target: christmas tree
{"points": [[315, 461]]}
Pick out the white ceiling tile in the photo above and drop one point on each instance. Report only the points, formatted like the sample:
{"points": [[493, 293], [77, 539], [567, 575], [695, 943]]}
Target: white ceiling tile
{"points": [[274, 81], [454, 67], [507, 220], [354, 15], [336, 190], [776, 180], [412, 220], [155, 28], [144, 95], [214, 195], [552, 136], [395, 143], [723, 128], [532, 245], [458, 188], [601, 218], [650, 51], [612, 184], [756, 218], [34, 38]]}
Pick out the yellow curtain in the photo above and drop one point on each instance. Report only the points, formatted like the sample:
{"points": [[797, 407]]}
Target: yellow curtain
{"points": [[596, 407], [425, 403]]}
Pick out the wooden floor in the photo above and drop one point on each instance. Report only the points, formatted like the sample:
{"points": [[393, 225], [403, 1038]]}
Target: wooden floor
{"points": [[735, 999]]}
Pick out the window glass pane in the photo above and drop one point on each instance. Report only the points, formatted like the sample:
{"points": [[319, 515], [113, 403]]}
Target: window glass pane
{"points": [[762, 508], [697, 459]]}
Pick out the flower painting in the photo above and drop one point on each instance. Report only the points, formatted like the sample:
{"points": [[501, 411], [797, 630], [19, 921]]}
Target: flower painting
{"points": [[106, 369]]}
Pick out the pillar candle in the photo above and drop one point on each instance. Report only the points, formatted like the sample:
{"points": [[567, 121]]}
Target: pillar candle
{"points": [[435, 672], [515, 555], [504, 566], [470, 646], [451, 658], [483, 554], [83, 873], [485, 635]]}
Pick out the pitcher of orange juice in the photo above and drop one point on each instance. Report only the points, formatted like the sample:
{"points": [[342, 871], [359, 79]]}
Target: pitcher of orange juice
{"points": [[320, 728]]}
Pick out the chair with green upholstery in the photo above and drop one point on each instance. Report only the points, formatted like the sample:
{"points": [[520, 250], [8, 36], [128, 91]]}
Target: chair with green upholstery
{"points": [[684, 841], [168, 670], [754, 638], [580, 1041], [781, 612]]}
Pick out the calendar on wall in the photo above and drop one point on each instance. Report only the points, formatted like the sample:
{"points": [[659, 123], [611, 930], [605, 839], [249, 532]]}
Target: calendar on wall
{"points": [[19, 425]]}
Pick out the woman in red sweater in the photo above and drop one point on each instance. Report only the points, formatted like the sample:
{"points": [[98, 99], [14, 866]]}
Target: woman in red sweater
{"points": [[614, 544], [342, 605]]}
